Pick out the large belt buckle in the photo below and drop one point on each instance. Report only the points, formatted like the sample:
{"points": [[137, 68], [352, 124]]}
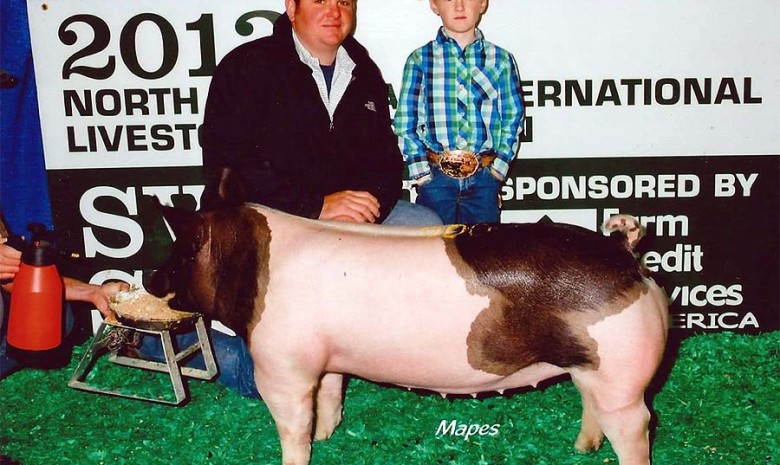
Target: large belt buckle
{"points": [[459, 164]]}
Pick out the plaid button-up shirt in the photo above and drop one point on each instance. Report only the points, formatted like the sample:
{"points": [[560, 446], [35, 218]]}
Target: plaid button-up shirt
{"points": [[459, 99]]}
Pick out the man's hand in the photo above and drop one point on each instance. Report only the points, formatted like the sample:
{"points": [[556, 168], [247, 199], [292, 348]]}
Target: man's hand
{"points": [[10, 259], [350, 206], [94, 294]]}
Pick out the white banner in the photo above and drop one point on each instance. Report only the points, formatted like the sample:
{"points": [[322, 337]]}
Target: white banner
{"points": [[667, 110], [123, 84]]}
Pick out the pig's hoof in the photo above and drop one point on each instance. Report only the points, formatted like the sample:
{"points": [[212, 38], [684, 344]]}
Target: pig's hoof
{"points": [[325, 428], [323, 435], [585, 444]]}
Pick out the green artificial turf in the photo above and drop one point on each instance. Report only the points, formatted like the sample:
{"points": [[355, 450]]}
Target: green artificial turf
{"points": [[717, 404]]}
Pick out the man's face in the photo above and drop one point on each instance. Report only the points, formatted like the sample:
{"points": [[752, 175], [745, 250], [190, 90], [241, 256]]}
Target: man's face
{"points": [[459, 16], [322, 25]]}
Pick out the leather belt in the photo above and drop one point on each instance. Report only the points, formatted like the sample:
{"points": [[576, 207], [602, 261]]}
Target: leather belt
{"points": [[460, 164]]}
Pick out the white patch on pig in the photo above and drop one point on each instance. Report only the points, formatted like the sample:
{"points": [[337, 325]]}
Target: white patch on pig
{"points": [[385, 323]]}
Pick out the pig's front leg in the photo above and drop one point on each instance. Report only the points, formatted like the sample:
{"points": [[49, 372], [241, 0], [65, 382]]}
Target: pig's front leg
{"points": [[329, 405], [289, 395]]}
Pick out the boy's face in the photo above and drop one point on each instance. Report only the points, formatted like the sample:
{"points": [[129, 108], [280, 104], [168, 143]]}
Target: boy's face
{"points": [[459, 16]]}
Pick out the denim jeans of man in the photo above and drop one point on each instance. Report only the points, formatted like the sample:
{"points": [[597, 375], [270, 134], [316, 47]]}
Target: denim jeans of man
{"points": [[236, 370], [470, 200], [411, 214]]}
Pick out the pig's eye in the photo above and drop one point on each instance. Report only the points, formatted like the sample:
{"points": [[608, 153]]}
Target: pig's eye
{"points": [[185, 256], [175, 303]]}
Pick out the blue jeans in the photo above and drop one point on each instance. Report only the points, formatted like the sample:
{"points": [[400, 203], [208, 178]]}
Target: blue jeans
{"points": [[409, 214], [462, 201], [236, 370], [7, 364]]}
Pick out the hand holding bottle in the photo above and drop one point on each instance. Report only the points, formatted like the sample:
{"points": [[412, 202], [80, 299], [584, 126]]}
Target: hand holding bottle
{"points": [[10, 259]]}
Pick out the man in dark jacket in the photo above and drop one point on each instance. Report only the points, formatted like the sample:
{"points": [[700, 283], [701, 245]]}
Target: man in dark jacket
{"points": [[302, 115]]}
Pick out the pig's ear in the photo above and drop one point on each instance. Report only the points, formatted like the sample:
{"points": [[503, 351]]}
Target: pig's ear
{"points": [[185, 224], [231, 188], [224, 191]]}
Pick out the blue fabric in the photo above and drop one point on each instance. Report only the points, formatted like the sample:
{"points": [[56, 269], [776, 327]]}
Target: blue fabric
{"points": [[327, 72], [24, 194], [236, 370], [462, 201], [409, 214], [7, 364]]}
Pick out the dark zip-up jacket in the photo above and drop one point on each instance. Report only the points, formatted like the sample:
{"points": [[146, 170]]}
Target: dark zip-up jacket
{"points": [[264, 117]]}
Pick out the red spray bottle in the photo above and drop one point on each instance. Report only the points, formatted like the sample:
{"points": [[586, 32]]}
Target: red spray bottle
{"points": [[35, 318]]}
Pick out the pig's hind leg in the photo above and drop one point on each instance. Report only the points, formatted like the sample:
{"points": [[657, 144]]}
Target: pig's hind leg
{"points": [[630, 348], [621, 414], [329, 405]]}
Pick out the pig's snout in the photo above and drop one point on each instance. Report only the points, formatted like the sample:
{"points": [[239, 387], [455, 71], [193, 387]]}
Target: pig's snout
{"points": [[156, 282]]}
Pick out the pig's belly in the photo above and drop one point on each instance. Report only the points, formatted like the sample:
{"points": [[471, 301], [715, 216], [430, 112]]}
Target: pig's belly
{"points": [[441, 374], [426, 350]]}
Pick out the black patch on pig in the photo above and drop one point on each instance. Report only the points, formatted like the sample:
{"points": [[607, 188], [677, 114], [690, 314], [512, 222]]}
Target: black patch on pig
{"points": [[218, 265], [546, 283], [239, 253]]}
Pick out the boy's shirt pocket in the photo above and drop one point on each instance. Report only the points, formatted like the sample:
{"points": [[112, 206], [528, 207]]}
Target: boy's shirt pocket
{"points": [[485, 84]]}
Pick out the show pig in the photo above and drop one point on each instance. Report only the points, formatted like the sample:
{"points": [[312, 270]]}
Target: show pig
{"points": [[454, 309]]}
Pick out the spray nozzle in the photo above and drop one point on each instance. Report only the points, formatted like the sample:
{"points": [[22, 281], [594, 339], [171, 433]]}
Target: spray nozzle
{"points": [[41, 248]]}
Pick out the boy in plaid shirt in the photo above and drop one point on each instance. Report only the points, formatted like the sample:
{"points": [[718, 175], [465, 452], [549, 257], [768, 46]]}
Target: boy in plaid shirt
{"points": [[459, 116]]}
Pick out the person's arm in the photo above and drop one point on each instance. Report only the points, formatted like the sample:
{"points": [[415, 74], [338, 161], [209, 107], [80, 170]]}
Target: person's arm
{"points": [[75, 290], [512, 114], [351, 206], [10, 259], [410, 119], [98, 296]]}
